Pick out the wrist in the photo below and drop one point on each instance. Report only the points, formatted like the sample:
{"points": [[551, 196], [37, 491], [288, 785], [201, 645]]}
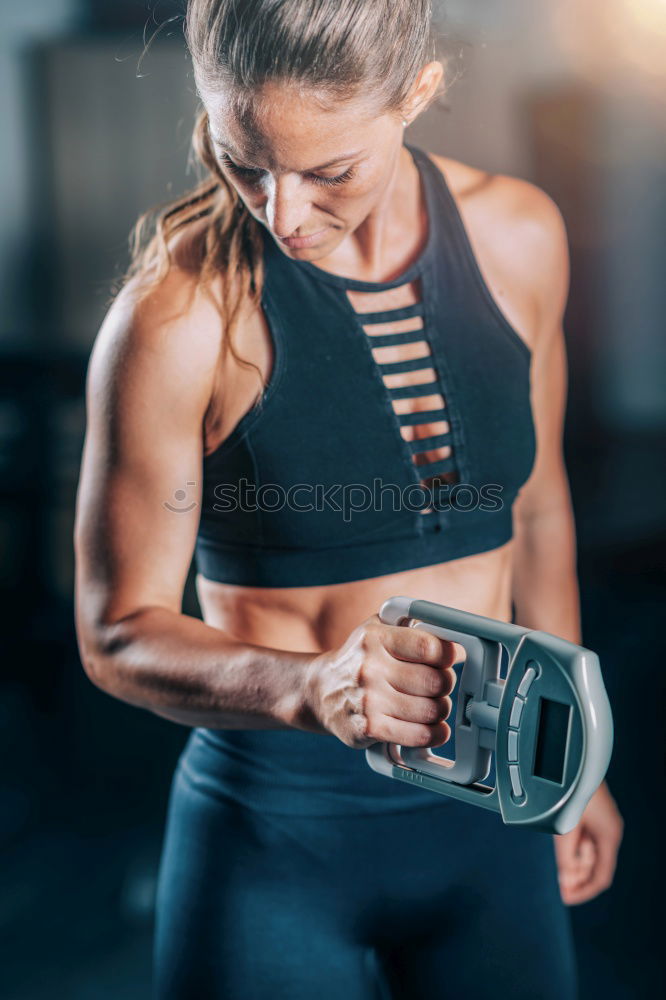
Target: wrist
{"points": [[298, 708]]}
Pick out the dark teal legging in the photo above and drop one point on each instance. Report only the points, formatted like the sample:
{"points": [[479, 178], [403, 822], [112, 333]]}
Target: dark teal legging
{"points": [[442, 902]]}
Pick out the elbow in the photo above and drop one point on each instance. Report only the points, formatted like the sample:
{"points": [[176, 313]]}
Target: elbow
{"points": [[101, 646], [95, 666], [90, 630], [110, 650], [95, 652]]}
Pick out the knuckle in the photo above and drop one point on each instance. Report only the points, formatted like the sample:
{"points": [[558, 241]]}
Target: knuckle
{"points": [[424, 647], [362, 672], [449, 681], [357, 743], [433, 683], [372, 725], [366, 671], [367, 638], [349, 739], [424, 736], [360, 733], [430, 712]]}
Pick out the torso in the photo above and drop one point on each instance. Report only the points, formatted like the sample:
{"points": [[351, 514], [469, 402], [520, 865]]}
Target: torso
{"points": [[321, 617]]}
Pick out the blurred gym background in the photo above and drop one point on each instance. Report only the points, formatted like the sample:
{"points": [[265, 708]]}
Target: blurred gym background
{"points": [[566, 93]]}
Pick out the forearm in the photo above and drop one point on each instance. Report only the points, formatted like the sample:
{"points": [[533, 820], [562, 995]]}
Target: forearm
{"points": [[544, 583], [191, 673]]}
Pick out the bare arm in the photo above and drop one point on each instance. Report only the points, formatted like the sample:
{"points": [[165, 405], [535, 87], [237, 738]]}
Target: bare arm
{"points": [[545, 585], [545, 582], [149, 383]]}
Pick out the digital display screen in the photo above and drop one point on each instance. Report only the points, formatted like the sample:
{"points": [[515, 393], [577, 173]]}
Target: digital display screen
{"points": [[552, 737]]}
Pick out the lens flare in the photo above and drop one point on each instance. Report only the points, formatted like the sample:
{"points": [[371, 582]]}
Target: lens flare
{"points": [[614, 43]]}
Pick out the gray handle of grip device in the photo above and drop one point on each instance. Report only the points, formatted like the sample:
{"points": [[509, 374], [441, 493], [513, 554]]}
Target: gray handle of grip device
{"points": [[479, 682]]}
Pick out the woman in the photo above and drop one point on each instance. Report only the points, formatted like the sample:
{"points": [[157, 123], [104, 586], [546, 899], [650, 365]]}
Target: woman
{"points": [[403, 312]]}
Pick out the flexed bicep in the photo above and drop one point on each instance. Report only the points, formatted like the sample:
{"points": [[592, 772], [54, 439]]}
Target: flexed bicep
{"points": [[148, 386]]}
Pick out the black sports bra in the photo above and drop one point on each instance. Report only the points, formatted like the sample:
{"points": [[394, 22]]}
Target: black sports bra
{"points": [[354, 464]]}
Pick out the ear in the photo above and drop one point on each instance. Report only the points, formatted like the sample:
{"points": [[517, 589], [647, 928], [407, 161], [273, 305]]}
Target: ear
{"points": [[429, 83]]}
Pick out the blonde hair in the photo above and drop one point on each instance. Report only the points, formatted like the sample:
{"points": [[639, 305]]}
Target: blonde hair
{"points": [[326, 47]]}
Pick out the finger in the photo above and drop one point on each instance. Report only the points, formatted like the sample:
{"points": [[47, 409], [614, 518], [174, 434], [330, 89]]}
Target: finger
{"points": [[410, 734], [417, 679], [567, 847], [582, 893], [429, 711], [576, 891], [587, 854], [576, 875], [419, 646], [567, 851], [575, 895], [599, 876], [459, 652], [571, 881], [605, 862], [583, 859]]}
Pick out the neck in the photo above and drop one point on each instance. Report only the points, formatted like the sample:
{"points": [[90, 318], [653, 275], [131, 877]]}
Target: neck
{"points": [[390, 232]]}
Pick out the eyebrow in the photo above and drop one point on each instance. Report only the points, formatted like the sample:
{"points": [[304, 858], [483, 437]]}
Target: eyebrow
{"points": [[322, 166]]}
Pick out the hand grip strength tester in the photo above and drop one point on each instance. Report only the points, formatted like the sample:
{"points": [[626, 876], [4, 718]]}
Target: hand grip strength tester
{"points": [[548, 722]]}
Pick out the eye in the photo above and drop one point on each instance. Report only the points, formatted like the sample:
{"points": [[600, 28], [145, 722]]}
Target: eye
{"points": [[252, 175], [340, 179], [247, 172]]}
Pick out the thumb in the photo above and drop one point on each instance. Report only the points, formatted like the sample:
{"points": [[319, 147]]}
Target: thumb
{"points": [[568, 856]]}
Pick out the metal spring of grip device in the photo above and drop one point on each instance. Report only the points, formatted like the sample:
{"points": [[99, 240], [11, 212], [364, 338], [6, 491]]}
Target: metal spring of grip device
{"points": [[548, 722]]}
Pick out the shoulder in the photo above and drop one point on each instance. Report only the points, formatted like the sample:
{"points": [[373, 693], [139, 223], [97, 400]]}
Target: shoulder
{"points": [[169, 330], [517, 224], [510, 207]]}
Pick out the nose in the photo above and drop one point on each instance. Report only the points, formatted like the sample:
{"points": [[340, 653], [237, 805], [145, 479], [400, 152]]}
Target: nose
{"points": [[286, 207]]}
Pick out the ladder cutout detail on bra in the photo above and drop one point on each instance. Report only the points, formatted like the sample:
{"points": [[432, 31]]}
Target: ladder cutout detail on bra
{"points": [[399, 343]]}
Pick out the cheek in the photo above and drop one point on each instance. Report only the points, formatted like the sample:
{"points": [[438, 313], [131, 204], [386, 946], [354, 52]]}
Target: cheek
{"points": [[366, 189], [358, 193], [355, 203]]}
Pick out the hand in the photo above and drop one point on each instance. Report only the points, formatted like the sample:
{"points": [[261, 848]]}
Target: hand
{"points": [[386, 683], [586, 856]]}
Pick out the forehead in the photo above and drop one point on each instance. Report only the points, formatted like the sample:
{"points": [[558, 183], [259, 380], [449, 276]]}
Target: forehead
{"points": [[283, 119]]}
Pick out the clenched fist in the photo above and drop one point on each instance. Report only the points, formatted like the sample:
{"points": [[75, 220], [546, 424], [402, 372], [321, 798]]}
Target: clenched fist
{"points": [[386, 683]]}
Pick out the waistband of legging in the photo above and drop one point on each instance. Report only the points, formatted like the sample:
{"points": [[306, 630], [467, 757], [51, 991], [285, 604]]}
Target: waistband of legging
{"points": [[294, 773]]}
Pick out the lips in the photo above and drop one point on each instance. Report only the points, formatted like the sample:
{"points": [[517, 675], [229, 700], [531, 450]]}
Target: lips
{"points": [[299, 242]]}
